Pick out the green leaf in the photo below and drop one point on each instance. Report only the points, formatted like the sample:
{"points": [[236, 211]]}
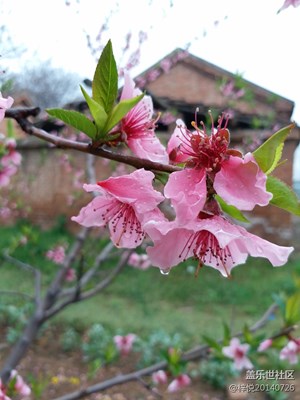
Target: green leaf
{"points": [[212, 343], [283, 196], [96, 110], [269, 153], [226, 333], [10, 131], [292, 309], [231, 210], [247, 334], [120, 110], [74, 119], [105, 81]]}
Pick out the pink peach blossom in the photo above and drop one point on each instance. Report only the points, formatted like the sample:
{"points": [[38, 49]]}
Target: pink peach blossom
{"points": [[288, 3], [70, 275], [20, 386], [124, 343], [237, 352], [138, 126], [4, 105], [290, 351], [56, 254], [238, 180], [264, 345], [213, 241], [124, 203], [5, 174], [178, 383], [3, 395], [187, 191], [140, 261], [159, 377]]}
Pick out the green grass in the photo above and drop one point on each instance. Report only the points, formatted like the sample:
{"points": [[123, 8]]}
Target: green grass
{"points": [[144, 301]]}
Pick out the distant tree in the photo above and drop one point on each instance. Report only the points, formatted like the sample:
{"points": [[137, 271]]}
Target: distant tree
{"points": [[46, 86]]}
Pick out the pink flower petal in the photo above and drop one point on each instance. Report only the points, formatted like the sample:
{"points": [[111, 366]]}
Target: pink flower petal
{"points": [[187, 191], [178, 383], [175, 146], [214, 241], [241, 183], [135, 189], [149, 148], [138, 126]]}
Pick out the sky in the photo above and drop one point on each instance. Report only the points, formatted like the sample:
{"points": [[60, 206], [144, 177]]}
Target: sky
{"points": [[245, 37]]}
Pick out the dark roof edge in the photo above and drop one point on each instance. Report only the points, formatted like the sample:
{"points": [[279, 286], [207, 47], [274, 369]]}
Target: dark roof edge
{"points": [[211, 66]]}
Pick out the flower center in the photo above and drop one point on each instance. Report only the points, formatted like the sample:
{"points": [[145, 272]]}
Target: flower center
{"points": [[239, 353], [138, 123], [207, 250]]}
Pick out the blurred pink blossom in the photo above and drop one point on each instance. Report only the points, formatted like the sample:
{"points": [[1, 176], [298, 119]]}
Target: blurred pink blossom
{"points": [[178, 383], [264, 345], [124, 343], [290, 351], [288, 3], [159, 377], [4, 105], [57, 254], [140, 261], [70, 275], [237, 352]]}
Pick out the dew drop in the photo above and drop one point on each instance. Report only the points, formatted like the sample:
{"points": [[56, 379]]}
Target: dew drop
{"points": [[165, 271]]}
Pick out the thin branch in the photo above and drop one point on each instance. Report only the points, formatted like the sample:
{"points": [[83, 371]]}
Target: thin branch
{"points": [[88, 275], [78, 295], [35, 271]]}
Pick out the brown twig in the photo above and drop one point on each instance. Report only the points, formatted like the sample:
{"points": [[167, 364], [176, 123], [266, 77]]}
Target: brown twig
{"points": [[21, 115]]}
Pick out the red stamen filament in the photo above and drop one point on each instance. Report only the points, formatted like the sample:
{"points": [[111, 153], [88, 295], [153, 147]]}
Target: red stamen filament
{"points": [[205, 247], [122, 213]]}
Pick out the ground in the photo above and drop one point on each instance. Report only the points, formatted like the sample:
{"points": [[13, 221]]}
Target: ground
{"points": [[58, 373]]}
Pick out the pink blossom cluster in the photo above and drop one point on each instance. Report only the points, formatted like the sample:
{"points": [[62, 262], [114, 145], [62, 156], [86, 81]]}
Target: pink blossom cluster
{"points": [[57, 254], [238, 353], [288, 3], [19, 387], [289, 352], [228, 89], [130, 204], [139, 261], [161, 378], [4, 105], [124, 343], [10, 159]]}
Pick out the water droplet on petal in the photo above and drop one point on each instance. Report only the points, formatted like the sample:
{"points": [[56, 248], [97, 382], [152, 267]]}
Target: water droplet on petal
{"points": [[165, 271]]}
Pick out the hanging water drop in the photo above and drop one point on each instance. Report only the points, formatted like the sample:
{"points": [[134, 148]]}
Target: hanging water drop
{"points": [[165, 271]]}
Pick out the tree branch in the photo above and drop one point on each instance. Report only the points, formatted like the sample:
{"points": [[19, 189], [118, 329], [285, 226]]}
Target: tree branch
{"points": [[20, 116]]}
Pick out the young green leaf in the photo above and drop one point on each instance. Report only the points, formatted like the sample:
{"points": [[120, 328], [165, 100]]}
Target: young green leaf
{"points": [[96, 110], [269, 153], [120, 110], [231, 210], [74, 119], [283, 195], [292, 309], [105, 81]]}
